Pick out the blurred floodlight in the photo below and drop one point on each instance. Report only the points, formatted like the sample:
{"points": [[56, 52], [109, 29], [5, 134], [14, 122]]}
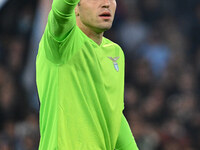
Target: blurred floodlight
{"points": [[2, 2]]}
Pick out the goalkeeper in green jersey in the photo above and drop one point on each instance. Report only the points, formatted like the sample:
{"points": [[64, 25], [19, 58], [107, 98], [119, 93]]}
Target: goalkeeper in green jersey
{"points": [[80, 80]]}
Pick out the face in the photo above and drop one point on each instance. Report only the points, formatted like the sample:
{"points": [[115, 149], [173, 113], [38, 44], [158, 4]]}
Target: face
{"points": [[96, 15]]}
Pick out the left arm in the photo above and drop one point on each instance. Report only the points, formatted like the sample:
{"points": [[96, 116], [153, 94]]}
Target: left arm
{"points": [[125, 139]]}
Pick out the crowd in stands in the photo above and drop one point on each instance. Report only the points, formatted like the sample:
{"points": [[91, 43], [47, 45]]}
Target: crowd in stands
{"points": [[161, 42]]}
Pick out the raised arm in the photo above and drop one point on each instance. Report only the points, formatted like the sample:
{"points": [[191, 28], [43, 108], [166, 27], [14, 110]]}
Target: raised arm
{"points": [[61, 18], [125, 139]]}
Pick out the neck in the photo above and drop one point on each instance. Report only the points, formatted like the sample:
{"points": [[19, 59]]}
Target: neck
{"points": [[95, 36]]}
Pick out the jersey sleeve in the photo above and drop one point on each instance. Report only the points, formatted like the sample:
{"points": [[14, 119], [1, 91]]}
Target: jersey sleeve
{"points": [[61, 22], [125, 139], [62, 18]]}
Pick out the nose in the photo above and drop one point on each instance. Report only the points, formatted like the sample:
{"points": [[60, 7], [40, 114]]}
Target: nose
{"points": [[106, 4]]}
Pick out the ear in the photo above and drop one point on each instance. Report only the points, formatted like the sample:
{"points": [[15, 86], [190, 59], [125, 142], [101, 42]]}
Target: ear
{"points": [[77, 10]]}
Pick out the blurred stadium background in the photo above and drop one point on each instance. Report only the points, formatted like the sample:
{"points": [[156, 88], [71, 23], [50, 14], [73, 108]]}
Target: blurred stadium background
{"points": [[161, 41]]}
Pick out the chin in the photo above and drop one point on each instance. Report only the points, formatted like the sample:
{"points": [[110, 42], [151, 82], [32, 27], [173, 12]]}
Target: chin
{"points": [[102, 27], [105, 27]]}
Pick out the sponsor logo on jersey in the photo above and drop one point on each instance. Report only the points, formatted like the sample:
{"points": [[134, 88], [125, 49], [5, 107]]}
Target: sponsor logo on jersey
{"points": [[114, 60]]}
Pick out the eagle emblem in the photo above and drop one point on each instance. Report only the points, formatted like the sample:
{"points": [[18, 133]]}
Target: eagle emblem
{"points": [[114, 60]]}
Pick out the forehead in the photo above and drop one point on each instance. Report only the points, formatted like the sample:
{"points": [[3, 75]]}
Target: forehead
{"points": [[94, 0], [112, 3]]}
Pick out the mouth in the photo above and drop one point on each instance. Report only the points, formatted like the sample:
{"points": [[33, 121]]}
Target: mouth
{"points": [[105, 15]]}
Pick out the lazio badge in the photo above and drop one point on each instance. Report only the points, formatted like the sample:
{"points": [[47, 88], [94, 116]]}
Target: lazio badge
{"points": [[114, 60]]}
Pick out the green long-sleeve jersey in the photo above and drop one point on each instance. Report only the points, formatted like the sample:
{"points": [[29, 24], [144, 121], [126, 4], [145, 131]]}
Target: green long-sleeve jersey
{"points": [[80, 86]]}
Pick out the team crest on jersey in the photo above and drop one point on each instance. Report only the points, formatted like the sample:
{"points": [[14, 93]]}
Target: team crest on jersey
{"points": [[114, 60]]}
